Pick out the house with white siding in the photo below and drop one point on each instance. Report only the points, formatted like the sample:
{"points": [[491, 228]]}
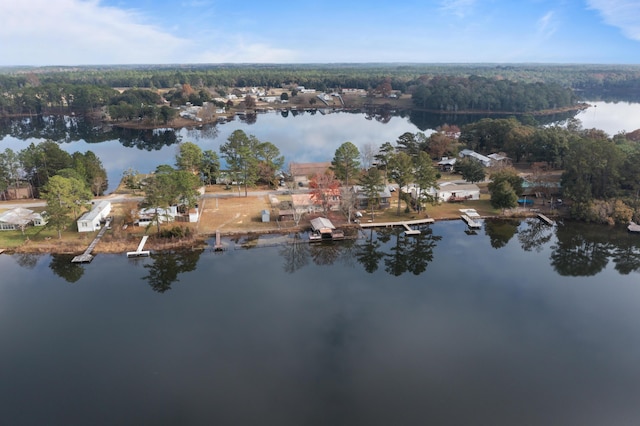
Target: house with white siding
{"points": [[19, 218], [90, 221]]}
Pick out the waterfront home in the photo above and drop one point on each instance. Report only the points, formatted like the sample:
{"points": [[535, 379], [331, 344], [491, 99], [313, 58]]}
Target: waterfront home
{"points": [[362, 199], [447, 191], [451, 191], [149, 215], [90, 221], [19, 218]]}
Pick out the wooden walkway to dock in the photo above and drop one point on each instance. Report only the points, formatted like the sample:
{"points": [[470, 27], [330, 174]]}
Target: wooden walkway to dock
{"points": [[404, 223], [545, 219], [470, 222], [87, 257]]}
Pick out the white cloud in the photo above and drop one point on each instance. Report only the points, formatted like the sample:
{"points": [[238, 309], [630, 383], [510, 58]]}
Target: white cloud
{"points": [[86, 32], [79, 32], [459, 8], [547, 25], [623, 14]]}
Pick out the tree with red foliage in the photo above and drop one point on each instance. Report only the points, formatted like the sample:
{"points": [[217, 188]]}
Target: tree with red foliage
{"points": [[325, 189]]}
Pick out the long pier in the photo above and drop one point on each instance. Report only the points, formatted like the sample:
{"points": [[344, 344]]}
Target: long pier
{"points": [[404, 223], [87, 257]]}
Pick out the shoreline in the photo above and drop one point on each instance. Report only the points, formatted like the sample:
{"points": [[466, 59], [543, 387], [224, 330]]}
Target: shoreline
{"points": [[198, 242], [182, 123]]}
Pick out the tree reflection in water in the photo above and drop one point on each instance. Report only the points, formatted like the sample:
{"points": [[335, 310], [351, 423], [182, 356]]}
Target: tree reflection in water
{"points": [[167, 266], [403, 254], [62, 266], [535, 235], [584, 250], [500, 231], [295, 254]]}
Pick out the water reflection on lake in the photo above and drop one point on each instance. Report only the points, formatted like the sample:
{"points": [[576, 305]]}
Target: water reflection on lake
{"points": [[518, 324], [301, 136]]}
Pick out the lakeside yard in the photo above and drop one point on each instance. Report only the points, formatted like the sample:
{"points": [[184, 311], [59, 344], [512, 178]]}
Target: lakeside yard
{"points": [[230, 214]]}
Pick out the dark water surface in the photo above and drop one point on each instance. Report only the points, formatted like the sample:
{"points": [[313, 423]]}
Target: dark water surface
{"points": [[519, 324]]}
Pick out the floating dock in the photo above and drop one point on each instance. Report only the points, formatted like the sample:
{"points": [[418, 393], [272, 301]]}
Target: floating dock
{"points": [[633, 227], [87, 257], [545, 219], [139, 252], [409, 231], [470, 222]]}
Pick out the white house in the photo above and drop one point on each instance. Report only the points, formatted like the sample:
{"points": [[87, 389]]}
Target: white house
{"points": [[19, 218], [469, 191], [486, 161], [147, 216], [90, 221]]}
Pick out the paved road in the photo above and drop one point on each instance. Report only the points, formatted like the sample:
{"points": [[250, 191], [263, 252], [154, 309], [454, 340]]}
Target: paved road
{"points": [[123, 198]]}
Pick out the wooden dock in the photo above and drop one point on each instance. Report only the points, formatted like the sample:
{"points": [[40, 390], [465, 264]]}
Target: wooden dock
{"points": [[139, 252], [404, 223], [470, 222], [218, 246], [545, 219], [87, 257]]}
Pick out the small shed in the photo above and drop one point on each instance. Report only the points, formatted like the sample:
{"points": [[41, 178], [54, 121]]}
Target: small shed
{"points": [[266, 215]]}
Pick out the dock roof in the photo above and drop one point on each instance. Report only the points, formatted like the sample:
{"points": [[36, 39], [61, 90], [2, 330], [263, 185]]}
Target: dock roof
{"points": [[321, 223]]}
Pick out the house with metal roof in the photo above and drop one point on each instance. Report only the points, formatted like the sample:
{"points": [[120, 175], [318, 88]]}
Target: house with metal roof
{"points": [[484, 160], [19, 218], [90, 221]]}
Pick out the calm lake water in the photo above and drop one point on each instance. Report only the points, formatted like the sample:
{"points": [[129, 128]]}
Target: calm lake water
{"points": [[301, 136], [519, 324]]}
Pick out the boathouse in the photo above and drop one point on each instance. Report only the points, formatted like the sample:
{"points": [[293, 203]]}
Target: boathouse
{"points": [[323, 229]]}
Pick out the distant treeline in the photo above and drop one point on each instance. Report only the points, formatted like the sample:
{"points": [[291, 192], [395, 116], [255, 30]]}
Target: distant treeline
{"points": [[443, 87]]}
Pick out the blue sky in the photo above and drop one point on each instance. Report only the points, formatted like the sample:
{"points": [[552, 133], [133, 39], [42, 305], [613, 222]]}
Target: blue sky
{"points": [[88, 32]]}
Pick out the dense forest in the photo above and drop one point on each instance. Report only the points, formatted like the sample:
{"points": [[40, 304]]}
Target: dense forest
{"points": [[446, 93]]}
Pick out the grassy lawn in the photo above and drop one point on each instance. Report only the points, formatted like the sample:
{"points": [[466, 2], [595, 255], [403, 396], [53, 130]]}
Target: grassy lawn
{"points": [[438, 212]]}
